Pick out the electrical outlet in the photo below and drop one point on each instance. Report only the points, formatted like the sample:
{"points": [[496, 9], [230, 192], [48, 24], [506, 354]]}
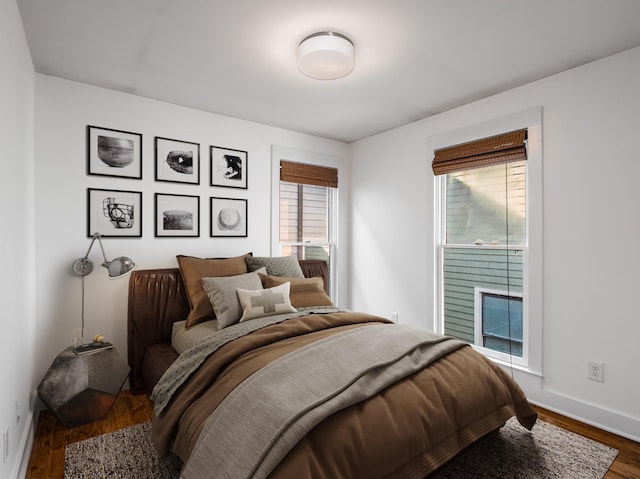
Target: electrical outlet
{"points": [[394, 317], [595, 371]]}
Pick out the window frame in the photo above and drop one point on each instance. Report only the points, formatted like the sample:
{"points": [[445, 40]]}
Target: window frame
{"points": [[337, 228], [478, 293], [530, 119], [332, 198]]}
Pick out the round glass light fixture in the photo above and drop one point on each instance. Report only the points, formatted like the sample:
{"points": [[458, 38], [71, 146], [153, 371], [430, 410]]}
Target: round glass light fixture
{"points": [[326, 56]]}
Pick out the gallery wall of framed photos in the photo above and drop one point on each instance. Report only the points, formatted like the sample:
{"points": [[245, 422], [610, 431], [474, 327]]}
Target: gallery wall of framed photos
{"points": [[118, 212]]}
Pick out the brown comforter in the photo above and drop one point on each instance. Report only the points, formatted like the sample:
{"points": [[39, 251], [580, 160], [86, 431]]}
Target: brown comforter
{"points": [[408, 430]]}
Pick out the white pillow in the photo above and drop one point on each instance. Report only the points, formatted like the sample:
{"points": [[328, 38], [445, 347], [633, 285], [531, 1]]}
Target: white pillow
{"points": [[265, 302]]}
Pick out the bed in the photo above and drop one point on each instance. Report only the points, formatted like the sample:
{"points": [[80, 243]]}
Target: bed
{"points": [[314, 392]]}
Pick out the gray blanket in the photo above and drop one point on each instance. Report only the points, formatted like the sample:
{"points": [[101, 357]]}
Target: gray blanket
{"points": [[192, 358], [266, 415]]}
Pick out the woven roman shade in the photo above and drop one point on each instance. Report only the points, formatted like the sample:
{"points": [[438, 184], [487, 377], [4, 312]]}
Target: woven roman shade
{"points": [[308, 174], [494, 150]]}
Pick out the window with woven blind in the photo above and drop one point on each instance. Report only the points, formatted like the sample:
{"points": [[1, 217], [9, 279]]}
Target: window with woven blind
{"points": [[483, 245], [302, 173], [495, 150], [307, 201]]}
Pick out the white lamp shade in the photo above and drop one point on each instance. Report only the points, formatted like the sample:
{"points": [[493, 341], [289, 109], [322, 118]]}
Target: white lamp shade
{"points": [[326, 56]]}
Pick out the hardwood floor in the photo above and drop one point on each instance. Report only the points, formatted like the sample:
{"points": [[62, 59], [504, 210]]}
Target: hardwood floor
{"points": [[47, 454], [627, 462]]}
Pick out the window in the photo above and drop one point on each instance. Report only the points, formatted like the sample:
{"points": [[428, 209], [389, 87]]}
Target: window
{"points": [[483, 245], [498, 321], [307, 205]]}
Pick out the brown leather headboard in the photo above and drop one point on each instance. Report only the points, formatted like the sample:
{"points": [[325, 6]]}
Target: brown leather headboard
{"points": [[157, 299]]}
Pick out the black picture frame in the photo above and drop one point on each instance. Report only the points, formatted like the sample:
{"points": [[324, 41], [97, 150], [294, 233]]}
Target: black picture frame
{"points": [[114, 213], [228, 217], [115, 153], [228, 167], [177, 161], [177, 216]]}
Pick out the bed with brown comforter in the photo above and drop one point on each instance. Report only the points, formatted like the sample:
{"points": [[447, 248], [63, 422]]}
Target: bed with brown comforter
{"points": [[320, 393]]}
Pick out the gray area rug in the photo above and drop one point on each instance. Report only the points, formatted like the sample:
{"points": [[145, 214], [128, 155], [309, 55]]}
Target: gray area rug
{"points": [[548, 452], [124, 454]]}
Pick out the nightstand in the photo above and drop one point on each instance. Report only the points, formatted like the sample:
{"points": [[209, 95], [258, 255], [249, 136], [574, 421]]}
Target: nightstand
{"points": [[79, 389]]}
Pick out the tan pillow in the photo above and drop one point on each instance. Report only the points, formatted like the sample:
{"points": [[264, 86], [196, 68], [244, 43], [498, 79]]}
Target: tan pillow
{"points": [[193, 270], [304, 292]]}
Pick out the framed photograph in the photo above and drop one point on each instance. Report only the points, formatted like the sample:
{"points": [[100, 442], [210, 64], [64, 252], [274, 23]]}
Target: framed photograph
{"points": [[114, 153], [228, 217], [228, 167], [114, 213], [177, 216], [177, 161]]}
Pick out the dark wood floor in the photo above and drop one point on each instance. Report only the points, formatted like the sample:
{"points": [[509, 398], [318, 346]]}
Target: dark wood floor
{"points": [[627, 462], [47, 455]]}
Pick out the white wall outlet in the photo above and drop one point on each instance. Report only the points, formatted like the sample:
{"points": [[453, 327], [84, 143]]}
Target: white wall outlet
{"points": [[595, 371], [394, 317]]}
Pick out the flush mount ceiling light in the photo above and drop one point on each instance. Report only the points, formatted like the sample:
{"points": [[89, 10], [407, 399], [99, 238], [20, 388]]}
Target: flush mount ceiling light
{"points": [[326, 55]]}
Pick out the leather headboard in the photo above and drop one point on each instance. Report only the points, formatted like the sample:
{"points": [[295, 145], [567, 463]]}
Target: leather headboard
{"points": [[157, 299]]}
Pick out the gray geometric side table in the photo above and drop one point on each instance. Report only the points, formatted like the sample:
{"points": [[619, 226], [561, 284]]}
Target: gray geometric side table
{"points": [[79, 389]]}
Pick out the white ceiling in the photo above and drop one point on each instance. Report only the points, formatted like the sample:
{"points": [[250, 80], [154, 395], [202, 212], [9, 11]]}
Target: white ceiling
{"points": [[414, 58]]}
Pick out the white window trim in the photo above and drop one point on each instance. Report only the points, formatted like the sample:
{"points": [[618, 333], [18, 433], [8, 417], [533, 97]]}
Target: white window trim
{"points": [[530, 119], [338, 227], [478, 291]]}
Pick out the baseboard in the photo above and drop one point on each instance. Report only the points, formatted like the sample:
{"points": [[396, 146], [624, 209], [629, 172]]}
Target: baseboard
{"points": [[26, 444], [574, 408], [607, 420]]}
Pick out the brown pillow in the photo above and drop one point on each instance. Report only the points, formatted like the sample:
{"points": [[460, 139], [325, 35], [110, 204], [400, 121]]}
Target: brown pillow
{"points": [[304, 292], [193, 270]]}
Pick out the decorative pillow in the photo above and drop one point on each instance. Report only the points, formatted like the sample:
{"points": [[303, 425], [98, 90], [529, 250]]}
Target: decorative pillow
{"points": [[277, 265], [265, 302], [223, 297], [304, 291], [193, 269]]}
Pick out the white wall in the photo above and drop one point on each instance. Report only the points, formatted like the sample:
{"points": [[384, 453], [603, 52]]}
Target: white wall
{"points": [[63, 110], [590, 234], [16, 236]]}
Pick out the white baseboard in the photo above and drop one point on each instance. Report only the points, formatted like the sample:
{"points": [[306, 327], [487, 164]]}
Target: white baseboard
{"points": [[24, 451], [605, 419], [574, 408]]}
